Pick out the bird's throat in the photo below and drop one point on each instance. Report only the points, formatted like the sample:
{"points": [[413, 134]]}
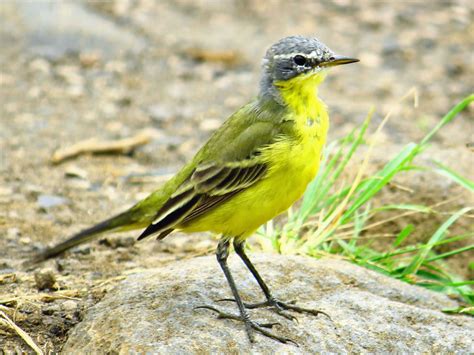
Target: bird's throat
{"points": [[300, 95]]}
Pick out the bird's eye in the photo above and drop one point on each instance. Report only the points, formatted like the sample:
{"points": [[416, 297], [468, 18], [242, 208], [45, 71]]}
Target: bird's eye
{"points": [[299, 60]]}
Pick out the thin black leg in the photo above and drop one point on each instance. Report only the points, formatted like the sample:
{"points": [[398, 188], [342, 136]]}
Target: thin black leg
{"points": [[239, 247], [222, 253], [279, 306]]}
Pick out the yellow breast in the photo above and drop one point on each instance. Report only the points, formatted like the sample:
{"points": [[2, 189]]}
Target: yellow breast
{"points": [[293, 162]]}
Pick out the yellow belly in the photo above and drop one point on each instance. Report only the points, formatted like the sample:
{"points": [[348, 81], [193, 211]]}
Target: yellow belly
{"points": [[293, 162], [292, 166]]}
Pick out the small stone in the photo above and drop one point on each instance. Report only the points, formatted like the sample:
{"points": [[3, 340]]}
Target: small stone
{"points": [[82, 250], [40, 65], [45, 280], [73, 171], [47, 201], [75, 90], [70, 74], [160, 113], [69, 306], [49, 310], [6, 193], [13, 233], [90, 59], [25, 240]]}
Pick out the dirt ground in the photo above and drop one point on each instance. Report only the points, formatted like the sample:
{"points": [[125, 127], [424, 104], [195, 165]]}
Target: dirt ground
{"points": [[177, 69]]}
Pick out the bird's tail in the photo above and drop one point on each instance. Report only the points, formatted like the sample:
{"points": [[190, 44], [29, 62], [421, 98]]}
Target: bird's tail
{"points": [[121, 222]]}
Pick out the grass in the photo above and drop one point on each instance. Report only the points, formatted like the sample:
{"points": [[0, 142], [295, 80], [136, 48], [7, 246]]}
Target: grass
{"points": [[337, 217]]}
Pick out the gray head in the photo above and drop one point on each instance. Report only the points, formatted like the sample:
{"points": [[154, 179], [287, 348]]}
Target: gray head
{"points": [[293, 56]]}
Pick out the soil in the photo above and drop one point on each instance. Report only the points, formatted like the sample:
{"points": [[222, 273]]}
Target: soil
{"points": [[70, 71]]}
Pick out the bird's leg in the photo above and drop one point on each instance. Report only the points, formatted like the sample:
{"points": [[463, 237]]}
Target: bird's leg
{"points": [[271, 301], [222, 253]]}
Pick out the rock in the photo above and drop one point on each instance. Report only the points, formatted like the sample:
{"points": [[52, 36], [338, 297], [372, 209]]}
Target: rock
{"points": [[154, 311], [49, 310], [69, 305], [13, 233], [160, 113], [47, 201], [45, 280]]}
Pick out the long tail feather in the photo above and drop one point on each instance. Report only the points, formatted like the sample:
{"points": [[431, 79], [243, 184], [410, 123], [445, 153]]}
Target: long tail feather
{"points": [[118, 222]]}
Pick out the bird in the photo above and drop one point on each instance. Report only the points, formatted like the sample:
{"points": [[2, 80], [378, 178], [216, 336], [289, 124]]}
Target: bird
{"points": [[251, 169]]}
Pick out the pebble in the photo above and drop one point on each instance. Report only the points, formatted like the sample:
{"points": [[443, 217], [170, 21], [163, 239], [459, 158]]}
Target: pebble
{"points": [[90, 59], [13, 233], [160, 113], [45, 280], [40, 65], [69, 305], [25, 240], [51, 309], [73, 171], [47, 201]]}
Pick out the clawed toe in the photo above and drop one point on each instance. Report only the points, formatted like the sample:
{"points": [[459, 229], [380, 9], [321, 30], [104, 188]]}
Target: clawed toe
{"points": [[290, 306], [225, 315], [280, 307], [251, 325]]}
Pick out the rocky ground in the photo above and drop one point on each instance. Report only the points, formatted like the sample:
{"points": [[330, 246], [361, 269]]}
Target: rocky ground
{"points": [[368, 312], [111, 70]]}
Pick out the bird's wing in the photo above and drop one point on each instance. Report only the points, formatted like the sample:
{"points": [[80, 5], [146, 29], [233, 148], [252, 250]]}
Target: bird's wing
{"points": [[232, 163], [227, 164]]}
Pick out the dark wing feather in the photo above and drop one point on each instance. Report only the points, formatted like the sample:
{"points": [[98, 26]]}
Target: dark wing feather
{"points": [[207, 204], [171, 219], [206, 188], [228, 163]]}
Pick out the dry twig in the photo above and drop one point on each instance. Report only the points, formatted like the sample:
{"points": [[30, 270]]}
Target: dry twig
{"points": [[93, 145]]}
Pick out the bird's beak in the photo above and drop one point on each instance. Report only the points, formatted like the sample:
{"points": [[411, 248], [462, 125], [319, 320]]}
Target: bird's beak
{"points": [[338, 60]]}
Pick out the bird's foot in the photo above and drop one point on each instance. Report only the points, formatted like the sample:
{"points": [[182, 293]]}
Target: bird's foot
{"points": [[250, 326], [280, 307]]}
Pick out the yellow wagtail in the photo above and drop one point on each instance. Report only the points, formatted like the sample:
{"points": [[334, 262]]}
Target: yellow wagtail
{"points": [[255, 166]]}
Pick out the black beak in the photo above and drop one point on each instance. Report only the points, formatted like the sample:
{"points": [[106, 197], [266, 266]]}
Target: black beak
{"points": [[338, 60]]}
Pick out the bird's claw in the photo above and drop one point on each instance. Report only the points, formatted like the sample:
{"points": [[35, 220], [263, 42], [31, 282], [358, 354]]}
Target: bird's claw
{"points": [[251, 326], [280, 307]]}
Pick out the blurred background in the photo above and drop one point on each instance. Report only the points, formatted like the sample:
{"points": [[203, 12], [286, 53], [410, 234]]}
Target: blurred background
{"points": [[74, 70]]}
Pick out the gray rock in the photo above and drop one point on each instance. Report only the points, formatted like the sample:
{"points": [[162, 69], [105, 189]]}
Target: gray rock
{"points": [[153, 311], [48, 201], [45, 280]]}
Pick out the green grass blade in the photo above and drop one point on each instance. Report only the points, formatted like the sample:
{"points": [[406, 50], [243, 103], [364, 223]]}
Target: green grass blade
{"points": [[382, 178], [451, 253], [451, 174], [408, 207], [403, 235], [437, 236], [448, 118]]}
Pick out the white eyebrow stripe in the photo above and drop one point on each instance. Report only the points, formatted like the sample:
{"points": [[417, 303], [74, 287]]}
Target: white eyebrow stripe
{"points": [[290, 55], [313, 54]]}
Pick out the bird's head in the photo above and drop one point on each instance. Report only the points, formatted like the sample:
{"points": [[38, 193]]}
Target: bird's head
{"points": [[297, 60]]}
